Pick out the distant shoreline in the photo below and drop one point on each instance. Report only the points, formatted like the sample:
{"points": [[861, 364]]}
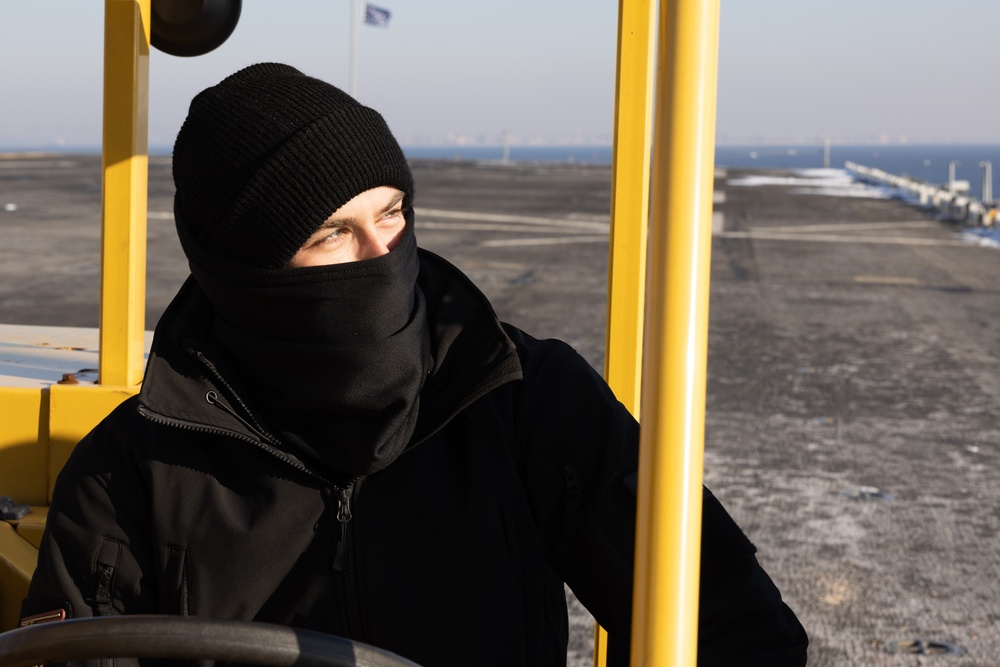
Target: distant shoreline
{"points": [[161, 149], [927, 162]]}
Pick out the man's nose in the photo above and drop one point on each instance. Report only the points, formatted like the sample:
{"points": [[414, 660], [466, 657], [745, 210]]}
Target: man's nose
{"points": [[371, 244]]}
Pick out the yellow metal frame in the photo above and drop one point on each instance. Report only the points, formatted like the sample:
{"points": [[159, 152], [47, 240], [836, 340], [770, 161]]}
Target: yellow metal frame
{"points": [[629, 214], [24, 454], [668, 524], [630, 200], [40, 425], [668, 348], [18, 558], [125, 163]]}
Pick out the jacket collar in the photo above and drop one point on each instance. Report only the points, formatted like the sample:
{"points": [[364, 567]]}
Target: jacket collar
{"points": [[472, 353]]}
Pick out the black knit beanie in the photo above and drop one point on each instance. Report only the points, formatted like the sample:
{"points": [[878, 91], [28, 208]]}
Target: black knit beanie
{"points": [[267, 155]]}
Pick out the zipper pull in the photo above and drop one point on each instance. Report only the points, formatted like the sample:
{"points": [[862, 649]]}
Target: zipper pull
{"points": [[344, 503], [343, 517]]}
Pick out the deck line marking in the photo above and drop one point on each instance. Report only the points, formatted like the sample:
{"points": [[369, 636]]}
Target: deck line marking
{"points": [[516, 219], [833, 238], [504, 243], [486, 227], [39, 164], [887, 280], [841, 226], [537, 226]]}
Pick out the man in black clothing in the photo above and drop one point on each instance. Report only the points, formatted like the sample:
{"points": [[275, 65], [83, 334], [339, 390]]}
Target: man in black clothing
{"points": [[336, 433]]}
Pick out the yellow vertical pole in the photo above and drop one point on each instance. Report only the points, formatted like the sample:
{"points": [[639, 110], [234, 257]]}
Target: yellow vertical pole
{"points": [[668, 535], [630, 199], [629, 213], [125, 165]]}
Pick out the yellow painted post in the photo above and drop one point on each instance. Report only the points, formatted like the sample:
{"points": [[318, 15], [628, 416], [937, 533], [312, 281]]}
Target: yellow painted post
{"points": [[629, 214], [18, 559], [668, 535], [24, 444], [125, 163], [630, 199]]}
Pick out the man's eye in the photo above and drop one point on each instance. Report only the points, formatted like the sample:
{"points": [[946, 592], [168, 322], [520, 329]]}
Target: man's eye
{"points": [[335, 235]]}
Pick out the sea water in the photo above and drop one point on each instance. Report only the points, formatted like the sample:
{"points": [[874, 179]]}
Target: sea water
{"points": [[924, 162], [560, 154]]}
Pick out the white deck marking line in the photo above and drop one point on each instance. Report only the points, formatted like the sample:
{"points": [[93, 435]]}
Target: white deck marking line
{"points": [[833, 238], [486, 227], [887, 280], [501, 243], [479, 215], [602, 225], [842, 226], [537, 226], [38, 164]]}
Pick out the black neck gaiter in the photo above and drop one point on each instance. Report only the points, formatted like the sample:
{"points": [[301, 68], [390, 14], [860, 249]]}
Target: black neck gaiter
{"points": [[334, 356]]}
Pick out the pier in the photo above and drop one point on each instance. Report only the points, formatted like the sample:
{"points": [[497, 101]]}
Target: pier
{"points": [[950, 200]]}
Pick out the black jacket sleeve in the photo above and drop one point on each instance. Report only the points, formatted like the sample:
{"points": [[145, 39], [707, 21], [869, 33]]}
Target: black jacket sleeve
{"points": [[580, 459], [93, 550]]}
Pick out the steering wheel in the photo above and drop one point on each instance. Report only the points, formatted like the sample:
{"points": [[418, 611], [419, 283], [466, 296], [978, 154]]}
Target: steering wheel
{"points": [[187, 638]]}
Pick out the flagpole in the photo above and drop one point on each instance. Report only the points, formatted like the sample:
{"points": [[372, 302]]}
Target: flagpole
{"points": [[352, 87]]}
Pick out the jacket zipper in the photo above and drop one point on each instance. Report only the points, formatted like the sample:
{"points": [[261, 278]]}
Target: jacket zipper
{"points": [[343, 557], [343, 560], [266, 441], [211, 397]]}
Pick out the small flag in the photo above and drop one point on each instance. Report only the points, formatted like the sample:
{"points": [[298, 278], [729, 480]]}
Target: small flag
{"points": [[377, 16]]}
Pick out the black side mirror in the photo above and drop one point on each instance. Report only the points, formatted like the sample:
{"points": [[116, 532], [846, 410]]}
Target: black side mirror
{"points": [[192, 27]]}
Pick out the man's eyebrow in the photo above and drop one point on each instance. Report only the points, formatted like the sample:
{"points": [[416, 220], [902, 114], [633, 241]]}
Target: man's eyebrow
{"points": [[331, 222], [392, 203]]}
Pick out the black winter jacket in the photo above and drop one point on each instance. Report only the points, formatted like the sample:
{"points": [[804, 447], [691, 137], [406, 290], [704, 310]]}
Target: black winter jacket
{"points": [[518, 479]]}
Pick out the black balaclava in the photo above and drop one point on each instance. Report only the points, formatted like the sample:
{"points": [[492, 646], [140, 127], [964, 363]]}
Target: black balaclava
{"points": [[333, 356]]}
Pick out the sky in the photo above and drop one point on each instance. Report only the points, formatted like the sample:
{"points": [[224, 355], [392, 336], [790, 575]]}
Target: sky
{"points": [[450, 71]]}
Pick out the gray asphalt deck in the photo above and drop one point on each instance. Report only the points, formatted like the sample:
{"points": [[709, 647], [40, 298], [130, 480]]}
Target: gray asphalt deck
{"points": [[863, 358], [854, 370]]}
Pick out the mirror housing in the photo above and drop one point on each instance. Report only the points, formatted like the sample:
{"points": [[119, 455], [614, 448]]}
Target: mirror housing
{"points": [[189, 28]]}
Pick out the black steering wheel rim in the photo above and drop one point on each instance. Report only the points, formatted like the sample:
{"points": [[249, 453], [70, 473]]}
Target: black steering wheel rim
{"points": [[187, 638]]}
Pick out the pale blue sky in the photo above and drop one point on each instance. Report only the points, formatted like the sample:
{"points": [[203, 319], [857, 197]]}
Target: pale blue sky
{"points": [[790, 70]]}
